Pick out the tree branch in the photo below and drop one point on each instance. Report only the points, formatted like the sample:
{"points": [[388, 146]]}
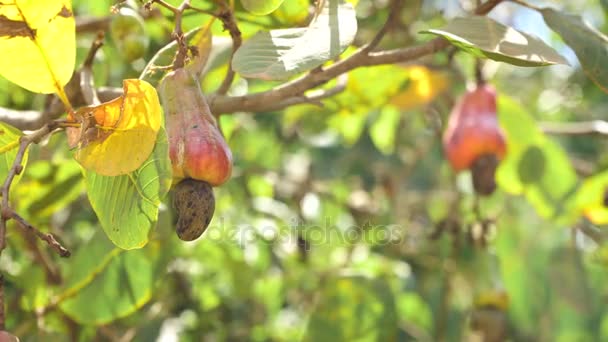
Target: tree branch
{"points": [[227, 17], [394, 9], [292, 92], [264, 101], [595, 127], [268, 100], [6, 212]]}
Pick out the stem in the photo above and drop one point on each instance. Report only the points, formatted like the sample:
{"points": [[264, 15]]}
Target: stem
{"points": [[227, 17], [394, 9], [6, 212]]}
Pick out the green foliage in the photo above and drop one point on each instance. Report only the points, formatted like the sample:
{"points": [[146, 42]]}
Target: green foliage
{"points": [[261, 7], [497, 42], [127, 205], [9, 140], [590, 46], [279, 54]]}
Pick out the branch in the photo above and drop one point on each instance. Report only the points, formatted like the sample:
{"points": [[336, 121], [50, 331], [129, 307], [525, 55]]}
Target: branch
{"points": [[29, 120], [270, 100], [595, 127], [592, 233], [313, 97], [227, 17], [394, 9], [48, 238], [6, 212], [264, 101], [284, 95]]}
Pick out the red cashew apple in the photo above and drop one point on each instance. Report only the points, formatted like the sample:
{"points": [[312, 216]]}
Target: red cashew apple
{"points": [[473, 139], [473, 129], [199, 155], [196, 146]]}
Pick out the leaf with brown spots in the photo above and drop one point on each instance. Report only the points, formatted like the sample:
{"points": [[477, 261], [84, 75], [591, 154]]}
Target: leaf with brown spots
{"points": [[37, 44]]}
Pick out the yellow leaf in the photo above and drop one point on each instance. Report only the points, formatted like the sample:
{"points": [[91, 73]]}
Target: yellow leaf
{"points": [[116, 137], [493, 298], [424, 86], [37, 44], [597, 214]]}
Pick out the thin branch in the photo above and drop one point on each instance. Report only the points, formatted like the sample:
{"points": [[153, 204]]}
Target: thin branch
{"points": [[53, 275], [279, 97], [595, 127], [30, 120], [6, 212], [313, 97], [394, 11], [162, 3], [227, 17], [592, 233], [46, 237], [260, 102], [87, 84]]}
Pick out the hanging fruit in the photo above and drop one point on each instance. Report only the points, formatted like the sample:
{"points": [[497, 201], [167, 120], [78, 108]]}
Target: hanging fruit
{"points": [[199, 155], [196, 146], [473, 138]]}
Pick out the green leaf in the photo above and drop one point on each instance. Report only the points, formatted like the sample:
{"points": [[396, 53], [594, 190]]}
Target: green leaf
{"points": [[353, 309], [384, 129], [261, 7], [279, 54], [484, 37], [41, 197], [127, 205], [9, 144], [590, 45], [104, 283], [535, 166]]}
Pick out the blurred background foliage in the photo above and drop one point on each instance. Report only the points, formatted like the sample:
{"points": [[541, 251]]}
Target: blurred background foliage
{"points": [[342, 222]]}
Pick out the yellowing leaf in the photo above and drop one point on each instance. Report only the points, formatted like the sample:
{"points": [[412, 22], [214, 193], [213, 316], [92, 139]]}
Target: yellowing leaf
{"points": [[591, 198], [37, 44], [424, 85], [116, 137]]}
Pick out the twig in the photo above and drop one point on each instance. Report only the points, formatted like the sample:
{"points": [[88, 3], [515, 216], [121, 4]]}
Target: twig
{"points": [[48, 238], [30, 120], [227, 17], [6, 212], [313, 97], [51, 269], [87, 85], [162, 3], [279, 97], [592, 233], [259, 102], [394, 11], [595, 127]]}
